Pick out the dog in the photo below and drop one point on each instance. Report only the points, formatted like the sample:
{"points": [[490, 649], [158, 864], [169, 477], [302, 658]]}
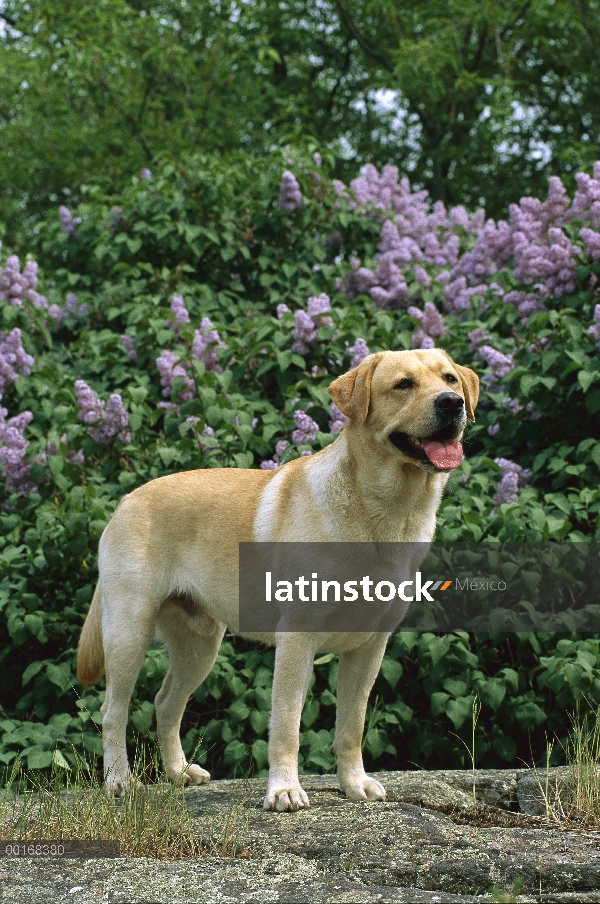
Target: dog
{"points": [[168, 564]]}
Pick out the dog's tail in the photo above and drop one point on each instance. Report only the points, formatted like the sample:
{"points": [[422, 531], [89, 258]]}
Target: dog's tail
{"points": [[90, 654]]}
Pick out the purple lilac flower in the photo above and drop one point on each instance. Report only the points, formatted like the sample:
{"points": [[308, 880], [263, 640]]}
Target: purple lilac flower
{"points": [[67, 220], [308, 322], [477, 337], [205, 344], [458, 295], [591, 240], [169, 370], [129, 348], [337, 418], [111, 418], [422, 277], [115, 215], [290, 197], [17, 287], [306, 428], [512, 405], [14, 360], [513, 477], [594, 329], [359, 352], [500, 364], [13, 447], [586, 203], [282, 309], [358, 281], [71, 307], [420, 339], [145, 174], [72, 455], [432, 322], [179, 312]]}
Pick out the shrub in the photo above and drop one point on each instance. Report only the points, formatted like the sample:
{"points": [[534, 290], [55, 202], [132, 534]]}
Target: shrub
{"points": [[195, 321]]}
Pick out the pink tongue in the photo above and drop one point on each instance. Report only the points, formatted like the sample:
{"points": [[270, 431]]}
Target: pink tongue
{"points": [[443, 456]]}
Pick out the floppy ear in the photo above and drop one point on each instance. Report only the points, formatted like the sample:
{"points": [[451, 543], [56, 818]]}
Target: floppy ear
{"points": [[470, 387], [352, 391]]}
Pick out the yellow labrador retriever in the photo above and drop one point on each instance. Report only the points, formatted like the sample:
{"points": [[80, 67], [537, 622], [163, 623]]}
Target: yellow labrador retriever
{"points": [[168, 563]]}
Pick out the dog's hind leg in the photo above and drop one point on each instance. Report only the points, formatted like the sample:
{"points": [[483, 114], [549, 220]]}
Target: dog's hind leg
{"points": [[124, 651], [193, 643], [357, 672]]}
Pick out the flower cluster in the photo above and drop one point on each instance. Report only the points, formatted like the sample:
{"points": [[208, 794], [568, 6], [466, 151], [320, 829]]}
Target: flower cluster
{"points": [[170, 365], [432, 325], [205, 344], [111, 418], [338, 419], [586, 202], [305, 432], [594, 329], [71, 308], [591, 241], [290, 197], [169, 369], [72, 455], [179, 312], [129, 348], [500, 364], [271, 463], [17, 287], [14, 360], [414, 234], [13, 447], [305, 333], [67, 220], [513, 478], [306, 429], [359, 351]]}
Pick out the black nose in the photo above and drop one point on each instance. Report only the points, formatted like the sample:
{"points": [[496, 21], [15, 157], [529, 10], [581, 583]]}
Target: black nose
{"points": [[449, 404]]}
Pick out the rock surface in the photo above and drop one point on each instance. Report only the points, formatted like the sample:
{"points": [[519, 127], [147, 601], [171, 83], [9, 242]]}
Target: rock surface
{"points": [[425, 843]]}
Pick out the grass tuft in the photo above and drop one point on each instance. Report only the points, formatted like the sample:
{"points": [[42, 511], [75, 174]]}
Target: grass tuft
{"points": [[151, 820]]}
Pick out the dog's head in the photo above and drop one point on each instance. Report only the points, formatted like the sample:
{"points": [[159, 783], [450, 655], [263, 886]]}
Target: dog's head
{"points": [[415, 404]]}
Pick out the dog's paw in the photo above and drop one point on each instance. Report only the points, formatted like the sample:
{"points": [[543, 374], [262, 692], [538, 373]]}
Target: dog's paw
{"points": [[283, 799], [190, 774], [363, 788], [195, 775], [119, 786]]}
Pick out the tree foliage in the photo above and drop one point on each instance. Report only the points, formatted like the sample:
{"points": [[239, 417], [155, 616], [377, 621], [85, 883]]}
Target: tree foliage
{"points": [[477, 99]]}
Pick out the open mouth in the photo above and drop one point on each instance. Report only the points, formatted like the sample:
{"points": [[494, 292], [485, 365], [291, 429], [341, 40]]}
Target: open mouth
{"points": [[442, 449]]}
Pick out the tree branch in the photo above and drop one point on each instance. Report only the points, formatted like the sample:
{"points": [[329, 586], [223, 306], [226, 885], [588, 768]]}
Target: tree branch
{"points": [[126, 117], [365, 45]]}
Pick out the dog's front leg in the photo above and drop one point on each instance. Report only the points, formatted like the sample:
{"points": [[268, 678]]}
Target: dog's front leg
{"points": [[357, 672], [294, 657]]}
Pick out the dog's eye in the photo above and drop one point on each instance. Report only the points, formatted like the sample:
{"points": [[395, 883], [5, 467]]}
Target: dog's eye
{"points": [[404, 384], [450, 378]]}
